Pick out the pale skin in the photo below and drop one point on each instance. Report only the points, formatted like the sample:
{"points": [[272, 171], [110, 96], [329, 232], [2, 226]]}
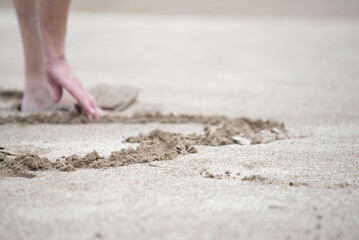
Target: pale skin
{"points": [[50, 84]]}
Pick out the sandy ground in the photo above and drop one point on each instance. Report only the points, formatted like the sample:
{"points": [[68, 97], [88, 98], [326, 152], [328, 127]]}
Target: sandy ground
{"points": [[303, 72]]}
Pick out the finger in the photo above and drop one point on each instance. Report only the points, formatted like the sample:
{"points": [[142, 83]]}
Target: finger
{"points": [[83, 101], [55, 90], [83, 98], [98, 111], [76, 90], [94, 105], [86, 106], [101, 111], [56, 93], [89, 116], [91, 99]]}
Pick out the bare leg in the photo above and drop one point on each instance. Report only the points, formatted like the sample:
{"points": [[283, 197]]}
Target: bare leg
{"points": [[37, 88], [43, 30]]}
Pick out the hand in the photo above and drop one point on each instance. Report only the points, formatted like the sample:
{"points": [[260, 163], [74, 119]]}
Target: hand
{"points": [[60, 75]]}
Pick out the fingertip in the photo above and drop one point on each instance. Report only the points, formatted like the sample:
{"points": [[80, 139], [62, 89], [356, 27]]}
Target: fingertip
{"points": [[97, 115], [101, 111], [56, 93], [89, 116]]}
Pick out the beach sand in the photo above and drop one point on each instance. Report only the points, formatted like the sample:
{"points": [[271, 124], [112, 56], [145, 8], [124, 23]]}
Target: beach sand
{"points": [[302, 72]]}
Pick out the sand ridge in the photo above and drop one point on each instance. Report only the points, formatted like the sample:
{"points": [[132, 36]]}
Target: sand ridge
{"points": [[156, 149], [238, 131], [77, 118], [157, 145]]}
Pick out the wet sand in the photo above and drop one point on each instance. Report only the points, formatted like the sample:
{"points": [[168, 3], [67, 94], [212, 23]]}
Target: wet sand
{"points": [[303, 72]]}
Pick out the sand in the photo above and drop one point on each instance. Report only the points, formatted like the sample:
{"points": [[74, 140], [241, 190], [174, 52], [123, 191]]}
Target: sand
{"points": [[156, 149], [114, 98], [157, 145], [302, 72]]}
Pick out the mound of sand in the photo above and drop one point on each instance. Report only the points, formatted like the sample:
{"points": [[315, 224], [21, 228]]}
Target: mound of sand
{"points": [[156, 146], [156, 149]]}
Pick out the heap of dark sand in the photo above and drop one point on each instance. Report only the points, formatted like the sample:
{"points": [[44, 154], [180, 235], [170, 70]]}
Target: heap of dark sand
{"points": [[156, 149], [230, 131]]}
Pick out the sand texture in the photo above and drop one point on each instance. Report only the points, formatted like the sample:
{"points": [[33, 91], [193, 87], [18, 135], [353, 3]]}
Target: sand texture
{"points": [[158, 148], [114, 98], [155, 146], [194, 157]]}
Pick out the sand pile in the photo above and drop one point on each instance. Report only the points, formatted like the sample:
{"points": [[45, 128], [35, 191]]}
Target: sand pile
{"points": [[77, 118], [237, 131], [156, 149], [156, 146]]}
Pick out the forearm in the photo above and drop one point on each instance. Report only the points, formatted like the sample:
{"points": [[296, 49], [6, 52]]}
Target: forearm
{"points": [[52, 21]]}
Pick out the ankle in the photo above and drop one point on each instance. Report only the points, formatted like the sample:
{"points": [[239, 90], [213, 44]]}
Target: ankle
{"points": [[54, 60], [36, 87]]}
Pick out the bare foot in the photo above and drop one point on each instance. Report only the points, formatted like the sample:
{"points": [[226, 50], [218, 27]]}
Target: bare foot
{"points": [[58, 89], [37, 98]]}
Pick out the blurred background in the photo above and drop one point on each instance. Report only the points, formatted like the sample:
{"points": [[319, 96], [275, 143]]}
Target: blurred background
{"points": [[294, 60], [296, 8]]}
